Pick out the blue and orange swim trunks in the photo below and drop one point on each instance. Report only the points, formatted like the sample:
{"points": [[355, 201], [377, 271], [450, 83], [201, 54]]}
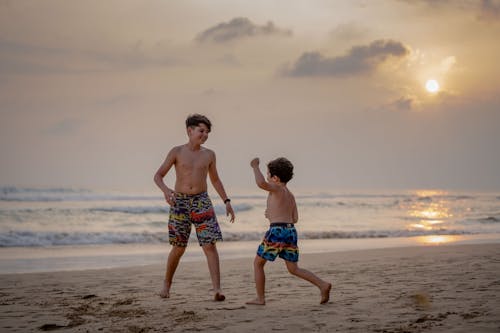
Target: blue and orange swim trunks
{"points": [[197, 210], [280, 240]]}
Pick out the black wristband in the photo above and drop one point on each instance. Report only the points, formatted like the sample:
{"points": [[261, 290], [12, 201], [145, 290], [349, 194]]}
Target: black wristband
{"points": [[227, 200]]}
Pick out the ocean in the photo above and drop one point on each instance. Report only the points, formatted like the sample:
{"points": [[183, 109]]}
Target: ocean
{"points": [[44, 229]]}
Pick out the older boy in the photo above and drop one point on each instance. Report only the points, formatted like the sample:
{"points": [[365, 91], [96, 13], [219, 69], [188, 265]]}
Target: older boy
{"points": [[281, 238], [189, 201]]}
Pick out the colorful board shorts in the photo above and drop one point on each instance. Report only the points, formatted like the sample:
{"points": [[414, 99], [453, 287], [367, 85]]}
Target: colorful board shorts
{"points": [[195, 209], [280, 240]]}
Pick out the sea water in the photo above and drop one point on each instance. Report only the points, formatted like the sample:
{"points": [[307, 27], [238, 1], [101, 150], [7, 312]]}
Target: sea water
{"points": [[60, 228]]}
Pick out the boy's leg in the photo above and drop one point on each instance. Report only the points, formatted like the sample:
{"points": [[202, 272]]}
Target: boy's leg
{"points": [[179, 229], [172, 262], [260, 281], [323, 286], [208, 232], [212, 255]]}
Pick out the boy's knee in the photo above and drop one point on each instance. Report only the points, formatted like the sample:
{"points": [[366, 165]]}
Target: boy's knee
{"points": [[178, 250], [259, 262], [209, 248], [292, 269]]}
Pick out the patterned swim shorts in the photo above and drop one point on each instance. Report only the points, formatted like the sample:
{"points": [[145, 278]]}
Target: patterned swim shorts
{"points": [[280, 240], [193, 209]]}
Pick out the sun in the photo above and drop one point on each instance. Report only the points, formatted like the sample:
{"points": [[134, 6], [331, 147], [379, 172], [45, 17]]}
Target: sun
{"points": [[432, 86]]}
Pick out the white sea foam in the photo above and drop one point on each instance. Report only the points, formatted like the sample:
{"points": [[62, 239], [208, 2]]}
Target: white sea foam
{"points": [[30, 239]]}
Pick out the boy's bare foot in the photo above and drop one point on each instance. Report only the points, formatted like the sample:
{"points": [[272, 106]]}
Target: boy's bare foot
{"points": [[219, 297], [165, 292], [256, 302], [325, 293]]}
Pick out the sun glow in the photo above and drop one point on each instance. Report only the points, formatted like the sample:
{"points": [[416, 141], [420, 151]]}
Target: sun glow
{"points": [[432, 86], [438, 239]]}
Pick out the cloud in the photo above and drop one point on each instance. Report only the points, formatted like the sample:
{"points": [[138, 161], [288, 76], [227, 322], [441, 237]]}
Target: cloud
{"points": [[489, 10], [486, 9], [406, 103], [26, 58], [359, 60], [447, 64], [402, 104], [349, 32], [465, 4], [237, 28], [64, 127], [229, 59], [21, 58]]}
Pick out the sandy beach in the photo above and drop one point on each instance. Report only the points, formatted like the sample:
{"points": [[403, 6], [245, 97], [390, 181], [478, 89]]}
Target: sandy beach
{"points": [[414, 289]]}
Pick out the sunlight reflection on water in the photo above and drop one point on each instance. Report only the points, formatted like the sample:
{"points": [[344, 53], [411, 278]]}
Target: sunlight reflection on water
{"points": [[438, 239], [433, 213]]}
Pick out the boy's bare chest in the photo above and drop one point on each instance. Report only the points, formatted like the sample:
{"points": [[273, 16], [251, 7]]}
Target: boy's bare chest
{"points": [[193, 161]]}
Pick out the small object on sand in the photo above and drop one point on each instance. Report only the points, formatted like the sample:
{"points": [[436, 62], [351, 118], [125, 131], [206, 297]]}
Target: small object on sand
{"points": [[422, 300]]}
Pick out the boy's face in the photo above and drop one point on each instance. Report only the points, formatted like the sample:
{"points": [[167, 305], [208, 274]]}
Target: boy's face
{"points": [[198, 134]]}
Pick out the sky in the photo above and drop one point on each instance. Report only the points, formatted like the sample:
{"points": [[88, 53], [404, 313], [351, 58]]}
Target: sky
{"points": [[93, 94]]}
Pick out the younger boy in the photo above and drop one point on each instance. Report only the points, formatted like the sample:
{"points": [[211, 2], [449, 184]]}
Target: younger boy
{"points": [[189, 201], [281, 238]]}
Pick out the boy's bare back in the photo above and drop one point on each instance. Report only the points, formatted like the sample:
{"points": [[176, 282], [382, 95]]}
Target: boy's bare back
{"points": [[281, 206]]}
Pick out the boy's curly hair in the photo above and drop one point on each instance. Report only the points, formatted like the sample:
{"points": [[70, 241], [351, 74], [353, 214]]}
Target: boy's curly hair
{"points": [[282, 168], [195, 119]]}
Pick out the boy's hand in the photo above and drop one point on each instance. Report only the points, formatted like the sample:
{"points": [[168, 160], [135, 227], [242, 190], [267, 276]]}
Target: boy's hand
{"points": [[170, 197], [255, 163], [229, 211]]}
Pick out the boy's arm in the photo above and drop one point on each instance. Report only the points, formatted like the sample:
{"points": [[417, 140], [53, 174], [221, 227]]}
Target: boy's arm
{"points": [[217, 184], [259, 177], [160, 174]]}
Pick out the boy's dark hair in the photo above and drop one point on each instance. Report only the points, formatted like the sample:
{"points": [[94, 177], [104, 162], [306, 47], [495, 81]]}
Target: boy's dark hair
{"points": [[282, 168], [195, 119]]}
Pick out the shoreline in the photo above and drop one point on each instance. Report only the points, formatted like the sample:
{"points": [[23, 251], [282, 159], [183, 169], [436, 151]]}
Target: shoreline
{"points": [[452, 288], [74, 258]]}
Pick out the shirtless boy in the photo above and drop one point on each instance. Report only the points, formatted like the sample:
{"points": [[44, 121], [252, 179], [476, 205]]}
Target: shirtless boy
{"points": [[189, 201], [281, 238]]}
